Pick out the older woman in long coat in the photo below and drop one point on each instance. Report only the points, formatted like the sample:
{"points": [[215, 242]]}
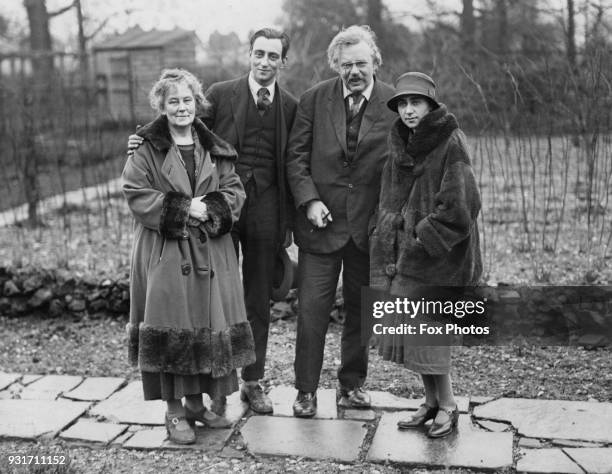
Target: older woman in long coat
{"points": [[188, 330]]}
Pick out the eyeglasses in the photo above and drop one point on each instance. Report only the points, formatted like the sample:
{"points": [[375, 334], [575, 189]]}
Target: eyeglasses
{"points": [[346, 67]]}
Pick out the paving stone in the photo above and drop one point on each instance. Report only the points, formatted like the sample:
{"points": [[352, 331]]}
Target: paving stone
{"points": [[315, 439], [95, 388], [479, 400], [568, 443], [388, 401], [122, 439], [550, 419], [91, 430], [207, 440], [147, 439], [494, 426], [592, 460], [353, 414], [546, 461], [7, 379], [29, 378], [33, 418], [128, 406], [530, 443], [235, 408], [469, 447], [50, 387], [283, 397]]}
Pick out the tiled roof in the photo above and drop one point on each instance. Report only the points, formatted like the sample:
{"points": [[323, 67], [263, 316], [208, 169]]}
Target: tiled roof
{"points": [[137, 38]]}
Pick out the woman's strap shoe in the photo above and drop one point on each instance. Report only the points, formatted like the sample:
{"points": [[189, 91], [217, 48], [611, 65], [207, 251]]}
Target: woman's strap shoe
{"points": [[439, 430], [424, 413], [179, 431], [207, 418]]}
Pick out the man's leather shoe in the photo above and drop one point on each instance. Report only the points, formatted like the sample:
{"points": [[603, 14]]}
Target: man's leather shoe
{"points": [[179, 431], [207, 418], [258, 400], [424, 413], [354, 398], [305, 405], [439, 430]]}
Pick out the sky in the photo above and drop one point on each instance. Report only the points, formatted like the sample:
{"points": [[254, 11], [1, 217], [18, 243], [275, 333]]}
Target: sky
{"points": [[202, 16]]}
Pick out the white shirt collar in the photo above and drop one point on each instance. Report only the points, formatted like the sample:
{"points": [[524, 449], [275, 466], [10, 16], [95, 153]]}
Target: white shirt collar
{"points": [[366, 93], [254, 86]]}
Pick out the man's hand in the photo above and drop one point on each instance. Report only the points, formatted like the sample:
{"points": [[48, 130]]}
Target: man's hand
{"points": [[198, 209], [318, 214], [134, 141]]}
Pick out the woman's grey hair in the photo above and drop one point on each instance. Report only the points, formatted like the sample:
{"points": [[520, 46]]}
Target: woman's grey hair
{"points": [[349, 36], [169, 78]]}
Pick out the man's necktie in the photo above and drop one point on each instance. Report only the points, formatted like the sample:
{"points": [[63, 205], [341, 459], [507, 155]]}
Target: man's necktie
{"points": [[263, 100], [354, 104]]}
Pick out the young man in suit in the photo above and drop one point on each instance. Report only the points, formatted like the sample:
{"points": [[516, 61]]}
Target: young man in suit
{"points": [[337, 151], [255, 115]]}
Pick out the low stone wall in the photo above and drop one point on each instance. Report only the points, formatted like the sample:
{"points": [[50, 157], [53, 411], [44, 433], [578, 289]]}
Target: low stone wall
{"points": [[60, 292]]}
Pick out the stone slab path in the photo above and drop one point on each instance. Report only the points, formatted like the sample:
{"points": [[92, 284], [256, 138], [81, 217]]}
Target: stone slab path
{"points": [[509, 435]]}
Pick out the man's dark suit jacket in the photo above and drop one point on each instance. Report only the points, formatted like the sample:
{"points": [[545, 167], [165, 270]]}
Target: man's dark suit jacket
{"points": [[227, 118], [318, 168]]}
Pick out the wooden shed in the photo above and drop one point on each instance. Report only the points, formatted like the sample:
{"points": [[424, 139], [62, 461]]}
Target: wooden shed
{"points": [[126, 66]]}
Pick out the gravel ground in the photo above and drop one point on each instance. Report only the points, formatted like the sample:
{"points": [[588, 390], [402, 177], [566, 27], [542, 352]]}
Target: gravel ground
{"points": [[96, 347]]}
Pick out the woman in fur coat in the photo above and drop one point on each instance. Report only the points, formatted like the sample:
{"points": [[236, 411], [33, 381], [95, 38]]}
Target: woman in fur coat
{"points": [[188, 330], [426, 232]]}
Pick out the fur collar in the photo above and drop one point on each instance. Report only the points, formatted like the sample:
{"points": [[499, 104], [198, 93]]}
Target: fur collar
{"points": [[158, 134], [409, 147]]}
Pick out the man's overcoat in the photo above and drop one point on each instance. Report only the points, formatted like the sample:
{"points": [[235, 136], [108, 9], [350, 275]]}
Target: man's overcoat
{"points": [[318, 166]]}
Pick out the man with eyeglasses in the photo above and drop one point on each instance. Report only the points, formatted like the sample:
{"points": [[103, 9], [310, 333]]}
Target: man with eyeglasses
{"points": [[336, 154]]}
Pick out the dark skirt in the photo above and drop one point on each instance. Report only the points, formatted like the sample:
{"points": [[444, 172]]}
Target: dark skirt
{"points": [[167, 386]]}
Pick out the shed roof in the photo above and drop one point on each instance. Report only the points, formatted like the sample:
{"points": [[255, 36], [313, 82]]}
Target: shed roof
{"points": [[137, 38]]}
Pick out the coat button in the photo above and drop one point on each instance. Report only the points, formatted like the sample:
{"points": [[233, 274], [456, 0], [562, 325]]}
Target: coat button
{"points": [[186, 269], [390, 270], [345, 163], [350, 186]]}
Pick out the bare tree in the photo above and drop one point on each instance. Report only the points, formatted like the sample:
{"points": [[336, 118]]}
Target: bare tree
{"points": [[571, 35], [468, 31]]}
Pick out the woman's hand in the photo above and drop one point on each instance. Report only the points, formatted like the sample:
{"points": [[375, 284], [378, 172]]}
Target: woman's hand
{"points": [[198, 209]]}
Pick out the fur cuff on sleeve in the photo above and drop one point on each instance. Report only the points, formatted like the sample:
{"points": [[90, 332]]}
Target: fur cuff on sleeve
{"points": [[174, 215], [219, 214]]}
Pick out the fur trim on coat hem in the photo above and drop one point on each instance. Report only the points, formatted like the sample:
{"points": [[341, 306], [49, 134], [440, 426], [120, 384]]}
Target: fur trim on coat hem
{"points": [[219, 220], [175, 215], [190, 352]]}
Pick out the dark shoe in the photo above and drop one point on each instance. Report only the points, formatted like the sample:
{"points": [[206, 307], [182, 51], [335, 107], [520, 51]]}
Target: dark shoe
{"points": [[305, 405], [258, 400], [354, 398], [424, 413], [179, 431], [207, 418], [439, 430]]}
